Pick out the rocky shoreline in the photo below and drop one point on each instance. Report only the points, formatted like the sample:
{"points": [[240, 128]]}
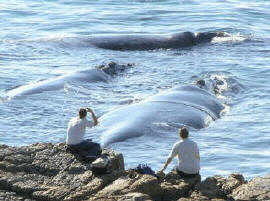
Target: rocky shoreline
{"points": [[47, 172]]}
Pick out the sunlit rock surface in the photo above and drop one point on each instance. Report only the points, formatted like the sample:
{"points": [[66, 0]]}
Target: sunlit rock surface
{"points": [[46, 171]]}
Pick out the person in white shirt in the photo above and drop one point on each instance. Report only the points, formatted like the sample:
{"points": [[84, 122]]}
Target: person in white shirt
{"points": [[188, 155], [76, 130]]}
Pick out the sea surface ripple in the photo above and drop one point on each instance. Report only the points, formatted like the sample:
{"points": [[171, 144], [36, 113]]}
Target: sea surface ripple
{"points": [[43, 39]]}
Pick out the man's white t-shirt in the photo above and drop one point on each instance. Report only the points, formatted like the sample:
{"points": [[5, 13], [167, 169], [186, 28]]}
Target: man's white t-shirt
{"points": [[188, 156], [76, 130]]}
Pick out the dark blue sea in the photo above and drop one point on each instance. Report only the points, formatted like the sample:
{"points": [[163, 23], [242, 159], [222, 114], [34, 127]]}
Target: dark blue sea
{"points": [[44, 39]]}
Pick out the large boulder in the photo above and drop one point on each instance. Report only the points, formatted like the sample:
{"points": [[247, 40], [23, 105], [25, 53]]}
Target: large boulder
{"points": [[175, 187], [257, 189], [132, 183], [135, 186], [216, 188]]}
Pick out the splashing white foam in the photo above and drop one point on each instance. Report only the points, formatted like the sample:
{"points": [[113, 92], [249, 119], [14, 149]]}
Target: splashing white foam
{"points": [[51, 37], [229, 38]]}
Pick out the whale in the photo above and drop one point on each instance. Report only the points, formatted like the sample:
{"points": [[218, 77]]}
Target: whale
{"points": [[188, 105], [102, 73], [152, 42], [56, 83]]}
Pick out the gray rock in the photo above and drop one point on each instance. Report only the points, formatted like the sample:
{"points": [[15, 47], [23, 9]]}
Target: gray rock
{"points": [[175, 187], [131, 182], [135, 197], [11, 196], [232, 182], [217, 187], [211, 187], [47, 172], [258, 189]]}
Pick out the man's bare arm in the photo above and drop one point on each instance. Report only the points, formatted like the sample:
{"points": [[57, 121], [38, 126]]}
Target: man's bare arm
{"points": [[169, 160], [93, 116]]}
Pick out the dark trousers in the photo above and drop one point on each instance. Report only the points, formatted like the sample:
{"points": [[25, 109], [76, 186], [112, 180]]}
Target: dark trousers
{"points": [[186, 175], [86, 148], [84, 145]]}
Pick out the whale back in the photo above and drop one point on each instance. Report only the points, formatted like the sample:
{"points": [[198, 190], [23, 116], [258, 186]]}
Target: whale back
{"points": [[151, 42], [195, 97], [140, 119], [128, 42], [187, 105], [183, 39], [101, 73], [144, 42], [90, 75], [36, 87], [57, 83]]}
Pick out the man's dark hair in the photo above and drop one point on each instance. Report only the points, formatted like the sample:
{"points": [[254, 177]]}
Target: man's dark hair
{"points": [[82, 113], [183, 132]]}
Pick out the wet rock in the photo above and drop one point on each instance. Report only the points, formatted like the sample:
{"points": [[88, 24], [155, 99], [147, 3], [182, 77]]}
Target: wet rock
{"points": [[258, 189]]}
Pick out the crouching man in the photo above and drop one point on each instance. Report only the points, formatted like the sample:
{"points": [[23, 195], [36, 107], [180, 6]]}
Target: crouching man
{"points": [[75, 135]]}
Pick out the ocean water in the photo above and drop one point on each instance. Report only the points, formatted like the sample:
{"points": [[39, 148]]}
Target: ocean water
{"points": [[42, 40]]}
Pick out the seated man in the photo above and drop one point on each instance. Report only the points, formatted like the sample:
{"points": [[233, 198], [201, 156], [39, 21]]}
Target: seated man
{"points": [[188, 156], [76, 131]]}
